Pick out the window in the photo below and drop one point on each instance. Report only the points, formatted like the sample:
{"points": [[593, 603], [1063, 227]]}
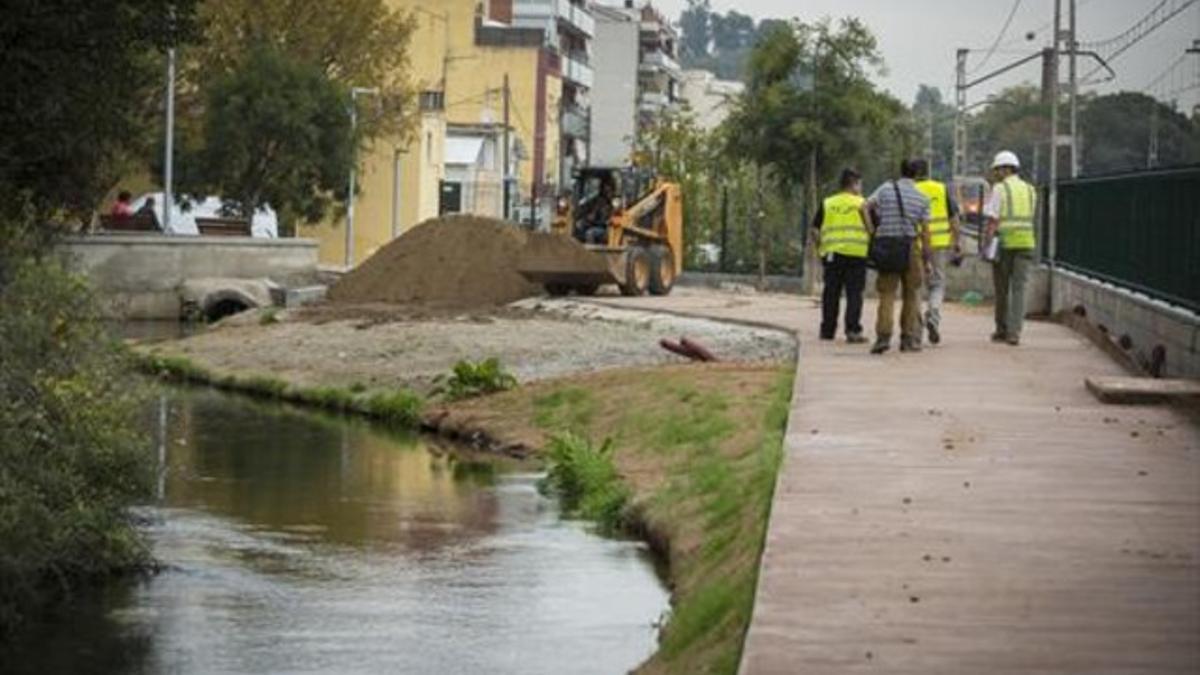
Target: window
{"points": [[431, 100]]}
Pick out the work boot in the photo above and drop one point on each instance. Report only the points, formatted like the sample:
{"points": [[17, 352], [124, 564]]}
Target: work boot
{"points": [[908, 344], [935, 336], [855, 338], [998, 337], [881, 345], [1013, 340]]}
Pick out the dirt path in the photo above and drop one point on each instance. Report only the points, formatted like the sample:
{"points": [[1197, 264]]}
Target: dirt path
{"points": [[374, 347]]}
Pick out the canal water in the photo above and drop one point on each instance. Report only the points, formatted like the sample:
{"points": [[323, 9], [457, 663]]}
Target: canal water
{"points": [[302, 543]]}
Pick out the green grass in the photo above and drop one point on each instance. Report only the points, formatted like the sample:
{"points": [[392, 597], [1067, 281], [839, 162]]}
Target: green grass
{"points": [[586, 480], [400, 408], [719, 468], [569, 408], [469, 379]]}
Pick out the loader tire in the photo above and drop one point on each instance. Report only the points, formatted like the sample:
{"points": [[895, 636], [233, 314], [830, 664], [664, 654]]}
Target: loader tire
{"points": [[557, 290], [637, 272], [662, 270]]}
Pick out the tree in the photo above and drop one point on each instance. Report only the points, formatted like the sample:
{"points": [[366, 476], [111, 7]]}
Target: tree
{"points": [[1116, 132], [356, 43], [276, 133], [696, 33], [810, 109], [930, 110], [80, 81], [1016, 120]]}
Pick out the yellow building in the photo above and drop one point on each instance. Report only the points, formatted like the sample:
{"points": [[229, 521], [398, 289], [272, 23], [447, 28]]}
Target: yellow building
{"points": [[461, 53]]}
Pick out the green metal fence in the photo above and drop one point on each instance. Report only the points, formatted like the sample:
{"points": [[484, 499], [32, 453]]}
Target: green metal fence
{"points": [[1139, 230]]}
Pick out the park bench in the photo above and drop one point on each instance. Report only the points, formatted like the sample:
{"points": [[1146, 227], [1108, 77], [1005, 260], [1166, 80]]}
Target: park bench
{"points": [[138, 222], [223, 227]]}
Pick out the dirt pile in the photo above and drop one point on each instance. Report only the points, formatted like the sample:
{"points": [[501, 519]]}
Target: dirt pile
{"points": [[457, 262]]}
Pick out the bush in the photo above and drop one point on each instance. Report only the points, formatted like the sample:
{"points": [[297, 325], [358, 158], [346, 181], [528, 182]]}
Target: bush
{"points": [[586, 480], [402, 408], [474, 379], [71, 461]]}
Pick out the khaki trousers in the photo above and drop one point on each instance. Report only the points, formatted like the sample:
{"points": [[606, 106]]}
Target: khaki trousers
{"points": [[910, 311], [1010, 275]]}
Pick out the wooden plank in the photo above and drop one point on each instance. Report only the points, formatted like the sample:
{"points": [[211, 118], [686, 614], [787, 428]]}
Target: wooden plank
{"points": [[1126, 390]]}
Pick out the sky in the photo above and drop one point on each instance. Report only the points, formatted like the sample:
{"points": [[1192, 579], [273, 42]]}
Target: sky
{"points": [[918, 38]]}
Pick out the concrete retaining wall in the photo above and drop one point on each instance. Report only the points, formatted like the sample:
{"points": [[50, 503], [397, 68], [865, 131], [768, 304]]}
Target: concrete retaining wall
{"points": [[1146, 321], [140, 276]]}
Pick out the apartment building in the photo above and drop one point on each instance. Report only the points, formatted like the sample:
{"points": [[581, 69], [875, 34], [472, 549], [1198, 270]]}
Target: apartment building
{"points": [[708, 98], [477, 64], [637, 76], [570, 28]]}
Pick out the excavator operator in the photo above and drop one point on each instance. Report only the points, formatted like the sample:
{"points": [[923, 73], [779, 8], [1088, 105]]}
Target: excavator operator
{"points": [[595, 223]]}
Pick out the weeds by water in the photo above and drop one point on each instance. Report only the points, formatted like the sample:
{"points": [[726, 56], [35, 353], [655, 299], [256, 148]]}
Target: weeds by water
{"points": [[400, 408], [714, 452], [468, 379], [586, 480]]}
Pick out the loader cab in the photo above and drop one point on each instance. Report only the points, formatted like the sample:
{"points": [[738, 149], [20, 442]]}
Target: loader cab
{"points": [[601, 191]]}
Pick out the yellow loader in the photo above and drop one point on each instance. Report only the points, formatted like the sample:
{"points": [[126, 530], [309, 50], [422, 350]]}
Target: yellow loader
{"points": [[620, 226]]}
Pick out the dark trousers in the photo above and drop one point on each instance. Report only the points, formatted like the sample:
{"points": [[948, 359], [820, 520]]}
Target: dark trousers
{"points": [[849, 274]]}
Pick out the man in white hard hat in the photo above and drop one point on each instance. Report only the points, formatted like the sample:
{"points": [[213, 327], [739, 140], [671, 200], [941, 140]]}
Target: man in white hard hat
{"points": [[1009, 214]]}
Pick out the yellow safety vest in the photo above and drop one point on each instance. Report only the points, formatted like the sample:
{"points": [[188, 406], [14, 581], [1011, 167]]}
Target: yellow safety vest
{"points": [[939, 212], [842, 228], [1018, 204]]}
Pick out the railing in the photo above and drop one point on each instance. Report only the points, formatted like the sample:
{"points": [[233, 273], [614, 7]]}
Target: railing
{"points": [[1137, 230], [577, 71], [538, 12], [660, 60], [574, 121]]}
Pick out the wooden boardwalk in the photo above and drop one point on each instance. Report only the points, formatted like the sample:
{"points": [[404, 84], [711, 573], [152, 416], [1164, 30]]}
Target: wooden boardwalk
{"points": [[971, 509]]}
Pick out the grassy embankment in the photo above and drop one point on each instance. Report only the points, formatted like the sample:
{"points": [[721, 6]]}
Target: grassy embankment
{"points": [[686, 456], [401, 407]]}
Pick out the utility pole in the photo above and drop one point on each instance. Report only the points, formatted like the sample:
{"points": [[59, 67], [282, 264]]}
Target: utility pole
{"points": [[929, 141], [959, 160], [1073, 45], [354, 94], [169, 145], [505, 172], [1052, 206]]}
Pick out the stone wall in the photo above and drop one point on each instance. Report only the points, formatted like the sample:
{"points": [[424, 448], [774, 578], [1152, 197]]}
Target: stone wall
{"points": [[141, 276]]}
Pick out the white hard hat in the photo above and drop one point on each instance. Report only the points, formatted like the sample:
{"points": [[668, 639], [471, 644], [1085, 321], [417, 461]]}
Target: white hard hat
{"points": [[1006, 158]]}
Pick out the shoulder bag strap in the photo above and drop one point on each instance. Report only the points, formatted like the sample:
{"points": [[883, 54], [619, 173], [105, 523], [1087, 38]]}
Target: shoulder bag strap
{"points": [[899, 200]]}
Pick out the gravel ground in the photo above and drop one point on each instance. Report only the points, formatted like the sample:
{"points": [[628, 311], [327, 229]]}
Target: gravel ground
{"points": [[535, 339]]}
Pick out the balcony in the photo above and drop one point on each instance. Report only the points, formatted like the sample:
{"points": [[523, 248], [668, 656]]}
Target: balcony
{"points": [[576, 70], [542, 12], [575, 121], [660, 61], [652, 101]]}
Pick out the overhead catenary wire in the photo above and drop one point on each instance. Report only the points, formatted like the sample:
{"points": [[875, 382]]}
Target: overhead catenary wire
{"points": [[1111, 48], [1012, 13]]}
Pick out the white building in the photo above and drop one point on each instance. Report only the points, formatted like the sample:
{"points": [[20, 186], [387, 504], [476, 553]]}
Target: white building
{"points": [[570, 29], [636, 73], [709, 98]]}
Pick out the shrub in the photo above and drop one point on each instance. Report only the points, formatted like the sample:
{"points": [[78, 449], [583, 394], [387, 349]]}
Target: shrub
{"points": [[474, 379], [71, 461], [402, 408], [586, 480]]}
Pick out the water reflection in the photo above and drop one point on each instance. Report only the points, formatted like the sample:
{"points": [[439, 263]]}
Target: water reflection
{"points": [[298, 543]]}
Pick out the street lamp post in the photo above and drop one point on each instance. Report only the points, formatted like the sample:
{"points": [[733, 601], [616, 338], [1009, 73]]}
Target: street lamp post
{"points": [[354, 94]]}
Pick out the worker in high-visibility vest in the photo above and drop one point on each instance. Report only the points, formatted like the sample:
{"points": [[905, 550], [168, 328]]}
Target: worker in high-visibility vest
{"points": [[943, 235], [843, 240], [1009, 213]]}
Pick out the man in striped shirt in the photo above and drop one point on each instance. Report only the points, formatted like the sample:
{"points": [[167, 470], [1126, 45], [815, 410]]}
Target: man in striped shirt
{"points": [[900, 210]]}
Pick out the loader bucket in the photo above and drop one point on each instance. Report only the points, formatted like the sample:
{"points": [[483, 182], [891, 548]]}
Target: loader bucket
{"points": [[554, 259]]}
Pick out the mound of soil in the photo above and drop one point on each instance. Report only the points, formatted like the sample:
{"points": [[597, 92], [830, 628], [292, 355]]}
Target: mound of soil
{"points": [[457, 262]]}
